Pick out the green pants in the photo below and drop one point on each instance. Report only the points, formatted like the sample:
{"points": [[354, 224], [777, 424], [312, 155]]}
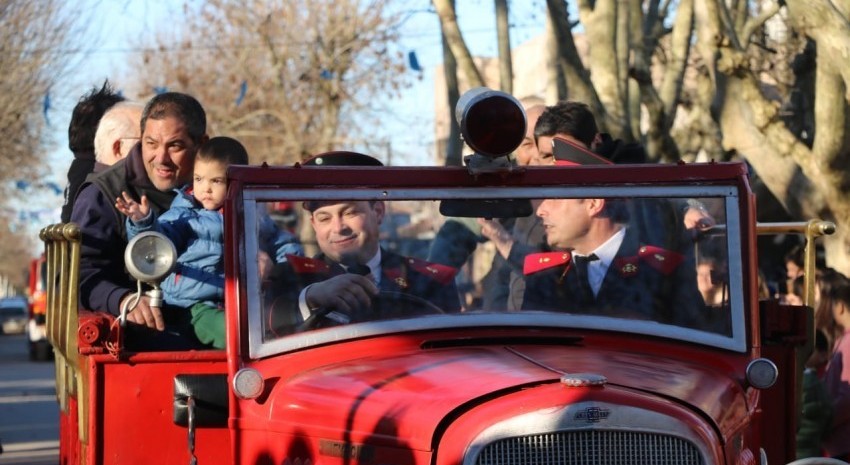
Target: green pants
{"points": [[208, 323]]}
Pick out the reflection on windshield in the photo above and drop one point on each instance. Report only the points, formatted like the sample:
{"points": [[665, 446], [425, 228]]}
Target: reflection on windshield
{"points": [[648, 259]]}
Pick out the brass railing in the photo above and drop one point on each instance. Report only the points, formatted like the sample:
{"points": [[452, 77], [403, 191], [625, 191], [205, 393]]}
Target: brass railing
{"points": [[811, 230], [62, 259]]}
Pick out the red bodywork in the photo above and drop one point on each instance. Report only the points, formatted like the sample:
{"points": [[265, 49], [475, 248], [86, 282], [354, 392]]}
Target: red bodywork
{"points": [[426, 397]]}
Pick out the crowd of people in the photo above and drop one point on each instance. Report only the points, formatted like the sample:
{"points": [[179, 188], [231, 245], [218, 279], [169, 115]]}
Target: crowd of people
{"points": [[153, 167]]}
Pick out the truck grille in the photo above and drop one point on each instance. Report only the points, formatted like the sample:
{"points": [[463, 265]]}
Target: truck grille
{"points": [[594, 447]]}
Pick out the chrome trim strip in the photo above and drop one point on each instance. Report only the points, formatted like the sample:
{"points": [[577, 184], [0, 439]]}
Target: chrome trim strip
{"points": [[258, 349]]}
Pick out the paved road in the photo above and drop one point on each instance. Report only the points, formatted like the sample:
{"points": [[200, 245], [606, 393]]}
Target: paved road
{"points": [[29, 413]]}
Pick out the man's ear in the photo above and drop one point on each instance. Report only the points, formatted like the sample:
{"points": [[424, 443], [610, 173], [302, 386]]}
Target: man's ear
{"points": [[379, 209], [595, 206], [116, 149]]}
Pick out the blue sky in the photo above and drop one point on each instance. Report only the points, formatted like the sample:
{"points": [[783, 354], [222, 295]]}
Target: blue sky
{"points": [[118, 24]]}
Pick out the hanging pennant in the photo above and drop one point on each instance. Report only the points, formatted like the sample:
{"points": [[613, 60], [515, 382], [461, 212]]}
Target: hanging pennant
{"points": [[414, 62], [243, 89]]}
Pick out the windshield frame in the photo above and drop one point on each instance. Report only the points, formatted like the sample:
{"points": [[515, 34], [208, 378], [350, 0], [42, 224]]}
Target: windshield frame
{"points": [[258, 348]]}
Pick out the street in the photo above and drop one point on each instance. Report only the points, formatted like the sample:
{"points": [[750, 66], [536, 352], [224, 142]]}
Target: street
{"points": [[29, 413]]}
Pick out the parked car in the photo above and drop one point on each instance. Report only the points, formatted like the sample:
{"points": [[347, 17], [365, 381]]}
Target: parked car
{"points": [[14, 314]]}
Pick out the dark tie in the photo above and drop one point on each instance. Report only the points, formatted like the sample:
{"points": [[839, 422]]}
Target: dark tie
{"points": [[581, 262], [360, 269]]}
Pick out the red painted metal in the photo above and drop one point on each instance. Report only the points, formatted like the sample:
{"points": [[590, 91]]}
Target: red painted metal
{"points": [[400, 398]]}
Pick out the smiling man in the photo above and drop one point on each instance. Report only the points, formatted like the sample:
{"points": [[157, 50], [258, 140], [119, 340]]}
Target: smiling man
{"points": [[173, 125], [354, 279]]}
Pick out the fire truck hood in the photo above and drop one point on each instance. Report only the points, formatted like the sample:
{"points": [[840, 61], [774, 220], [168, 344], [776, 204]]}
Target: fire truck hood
{"points": [[404, 397]]}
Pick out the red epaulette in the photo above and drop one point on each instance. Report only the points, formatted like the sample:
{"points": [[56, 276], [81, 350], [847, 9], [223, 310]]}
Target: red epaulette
{"points": [[307, 265], [443, 274], [665, 261], [543, 261]]}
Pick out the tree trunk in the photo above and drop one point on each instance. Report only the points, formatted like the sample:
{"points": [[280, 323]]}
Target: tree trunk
{"points": [[506, 73], [454, 39], [577, 77], [454, 146]]}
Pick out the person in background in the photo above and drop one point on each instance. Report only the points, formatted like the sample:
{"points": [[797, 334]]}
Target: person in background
{"points": [[565, 134], [195, 224], [795, 292], [837, 376], [117, 133], [816, 416], [81, 134], [173, 126], [458, 238]]}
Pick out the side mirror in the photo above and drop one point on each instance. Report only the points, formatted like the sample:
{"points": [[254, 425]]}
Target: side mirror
{"points": [[149, 257]]}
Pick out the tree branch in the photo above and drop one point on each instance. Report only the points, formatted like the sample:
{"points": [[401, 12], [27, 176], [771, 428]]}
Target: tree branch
{"points": [[674, 73], [451, 31], [755, 23]]}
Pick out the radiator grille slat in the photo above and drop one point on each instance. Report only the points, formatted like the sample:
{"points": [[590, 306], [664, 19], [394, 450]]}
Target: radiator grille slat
{"points": [[595, 447]]}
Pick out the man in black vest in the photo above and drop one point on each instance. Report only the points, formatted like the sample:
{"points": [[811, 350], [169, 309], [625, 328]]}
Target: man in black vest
{"points": [[173, 125]]}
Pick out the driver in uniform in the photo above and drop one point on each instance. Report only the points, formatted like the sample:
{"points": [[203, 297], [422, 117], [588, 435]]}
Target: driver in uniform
{"points": [[353, 278]]}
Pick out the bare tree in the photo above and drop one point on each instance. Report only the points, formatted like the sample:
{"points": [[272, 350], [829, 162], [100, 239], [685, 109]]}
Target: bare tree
{"points": [[38, 39], [288, 78], [719, 79], [34, 56], [15, 252]]}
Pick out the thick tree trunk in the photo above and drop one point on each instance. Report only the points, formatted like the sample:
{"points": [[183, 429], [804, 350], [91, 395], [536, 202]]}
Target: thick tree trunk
{"points": [[453, 37]]}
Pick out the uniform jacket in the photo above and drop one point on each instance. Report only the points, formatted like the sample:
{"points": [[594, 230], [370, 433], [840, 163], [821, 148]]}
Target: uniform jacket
{"points": [[645, 216], [103, 279], [642, 282], [198, 236], [399, 275]]}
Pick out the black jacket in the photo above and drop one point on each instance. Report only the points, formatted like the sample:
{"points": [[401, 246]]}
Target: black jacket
{"points": [[400, 277], [81, 166], [103, 279], [633, 287]]}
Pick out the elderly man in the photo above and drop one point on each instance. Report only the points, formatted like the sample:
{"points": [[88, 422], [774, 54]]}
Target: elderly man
{"points": [[173, 125], [117, 133]]}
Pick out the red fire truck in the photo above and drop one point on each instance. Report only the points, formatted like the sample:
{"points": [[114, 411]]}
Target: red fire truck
{"points": [[38, 346], [419, 384]]}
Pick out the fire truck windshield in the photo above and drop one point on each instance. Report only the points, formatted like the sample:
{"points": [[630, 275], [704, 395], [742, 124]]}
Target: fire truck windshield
{"points": [[633, 259]]}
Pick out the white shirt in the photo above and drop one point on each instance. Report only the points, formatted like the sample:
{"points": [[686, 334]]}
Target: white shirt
{"points": [[606, 252]]}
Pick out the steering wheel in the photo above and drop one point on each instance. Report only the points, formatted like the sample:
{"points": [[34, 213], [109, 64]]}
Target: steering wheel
{"points": [[401, 304], [386, 305]]}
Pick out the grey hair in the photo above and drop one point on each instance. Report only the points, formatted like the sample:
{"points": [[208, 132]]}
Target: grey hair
{"points": [[115, 123]]}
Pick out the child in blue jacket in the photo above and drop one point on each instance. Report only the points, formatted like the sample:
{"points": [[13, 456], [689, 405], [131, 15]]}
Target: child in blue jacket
{"points": [[195, 224]]}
